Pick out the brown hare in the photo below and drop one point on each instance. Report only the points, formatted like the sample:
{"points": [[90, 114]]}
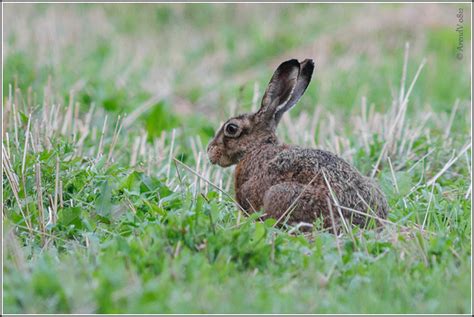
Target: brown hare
{"points": [[286, 180]]}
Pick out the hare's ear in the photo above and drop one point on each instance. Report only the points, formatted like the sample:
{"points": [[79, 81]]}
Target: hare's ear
{"points": [[287, 85], [280, 89], [304, 77]]}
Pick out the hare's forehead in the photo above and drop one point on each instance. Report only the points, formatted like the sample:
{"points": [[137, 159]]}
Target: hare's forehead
{"points": [[240, 120]]}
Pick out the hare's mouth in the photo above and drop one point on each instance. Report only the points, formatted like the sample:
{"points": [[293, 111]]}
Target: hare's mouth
{"points": [[222, 161], [213, 160]]}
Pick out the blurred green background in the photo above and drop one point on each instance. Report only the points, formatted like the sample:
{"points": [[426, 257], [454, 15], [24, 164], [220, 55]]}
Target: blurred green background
{"points": [[200, 59]]}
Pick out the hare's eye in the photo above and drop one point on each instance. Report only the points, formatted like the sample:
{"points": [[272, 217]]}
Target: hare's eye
{"points": [[231, 129]]}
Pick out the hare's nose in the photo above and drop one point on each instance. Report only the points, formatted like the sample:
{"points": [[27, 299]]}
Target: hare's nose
{"points": [[212, 153], [209, 148], [212, 146]]}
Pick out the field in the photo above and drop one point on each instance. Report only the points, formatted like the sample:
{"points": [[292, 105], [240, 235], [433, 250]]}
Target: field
{"points": [[110, 204]]}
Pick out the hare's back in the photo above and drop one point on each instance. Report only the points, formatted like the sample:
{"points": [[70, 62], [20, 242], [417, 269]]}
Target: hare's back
{"points": [[303, 164]]}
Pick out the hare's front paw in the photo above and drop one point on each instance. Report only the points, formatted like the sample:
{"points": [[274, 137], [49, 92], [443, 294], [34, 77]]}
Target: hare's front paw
{"points": [[250, 195]]}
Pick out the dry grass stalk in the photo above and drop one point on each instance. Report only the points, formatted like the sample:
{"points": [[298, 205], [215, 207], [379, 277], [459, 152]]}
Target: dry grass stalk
{"points": [[451, 119], [395, 183], [6, 115], [67, 120], [468, 192], [197, 183], [84, 129], [7, 138], [34, 145], [99, 149], [61, 202], [15, 126], [428, 208], [75, 122], [51, 213], [25, 147], [15, 186], [118, 128], [404, 73], [39, 196], [334, 228], [170, 157], [56, 189]]}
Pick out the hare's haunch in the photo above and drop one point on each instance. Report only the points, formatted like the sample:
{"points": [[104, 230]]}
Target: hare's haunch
{"points": [[287, 180]]}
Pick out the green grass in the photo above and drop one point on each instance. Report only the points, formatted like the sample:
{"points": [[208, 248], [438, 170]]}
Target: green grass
{"points": [[120, 223]]}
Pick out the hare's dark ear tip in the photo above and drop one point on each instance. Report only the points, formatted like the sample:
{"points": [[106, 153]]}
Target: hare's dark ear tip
{"points": [[290, 63], [307, 63], [307, 66]]}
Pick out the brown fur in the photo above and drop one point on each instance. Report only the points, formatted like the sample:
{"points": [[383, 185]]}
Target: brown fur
{"points": [[282, 178]]}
